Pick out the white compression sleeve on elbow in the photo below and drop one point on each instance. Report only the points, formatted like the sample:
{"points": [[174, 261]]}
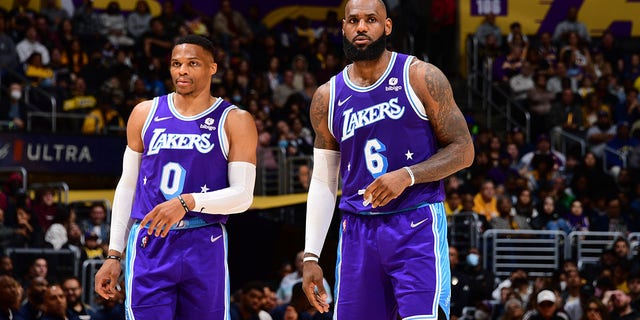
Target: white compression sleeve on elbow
{"points": [[321, 200], [234, 199], [123, 200]]}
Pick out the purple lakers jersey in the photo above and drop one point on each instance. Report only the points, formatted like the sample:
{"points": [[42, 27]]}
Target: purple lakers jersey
{"points": [[381, 128], [181, 155]]}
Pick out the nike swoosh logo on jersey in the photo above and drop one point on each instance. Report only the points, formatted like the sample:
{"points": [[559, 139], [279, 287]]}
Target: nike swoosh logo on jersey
{"points": [[215, 239], [341, 102], [157, 119], [413, 225]]}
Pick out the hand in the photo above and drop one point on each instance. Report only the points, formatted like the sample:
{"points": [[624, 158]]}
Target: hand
{"points": [[107, 279], [162, 217], [313, 286], [387, 187]]}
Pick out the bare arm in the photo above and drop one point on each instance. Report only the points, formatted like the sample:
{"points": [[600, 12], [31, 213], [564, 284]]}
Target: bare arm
{"points": [[320, 119], [448, 123]]}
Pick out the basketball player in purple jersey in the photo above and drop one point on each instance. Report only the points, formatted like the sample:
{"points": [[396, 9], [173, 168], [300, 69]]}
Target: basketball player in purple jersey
{"points": [[189, 163], [389, 126]]}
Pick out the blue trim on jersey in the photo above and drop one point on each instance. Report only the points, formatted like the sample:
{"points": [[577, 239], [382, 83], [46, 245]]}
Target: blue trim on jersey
{"points": [[227, 291], [129, 272], [223, 118], [332, 96], [409, 89], [336, 292], [441, 246], [175, 112], [354, 87], [436, 211], [147, 122]]}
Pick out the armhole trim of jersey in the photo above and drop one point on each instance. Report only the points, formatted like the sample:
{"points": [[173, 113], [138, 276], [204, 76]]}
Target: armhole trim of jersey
{"points": [[152, 111], [330, 110], [223, 139], [413, 98]]}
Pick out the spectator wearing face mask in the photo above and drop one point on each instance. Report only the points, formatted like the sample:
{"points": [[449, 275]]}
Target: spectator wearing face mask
{"points": [[482, 280], [13, 110]]}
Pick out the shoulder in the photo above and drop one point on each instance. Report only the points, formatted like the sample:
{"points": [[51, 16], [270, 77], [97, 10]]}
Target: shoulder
{"points": [[140, 112], [239, 115], [320, 100], [426, 75]]}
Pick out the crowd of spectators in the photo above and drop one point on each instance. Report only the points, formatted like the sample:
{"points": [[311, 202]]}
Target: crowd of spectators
{"points": [[101, 63]]}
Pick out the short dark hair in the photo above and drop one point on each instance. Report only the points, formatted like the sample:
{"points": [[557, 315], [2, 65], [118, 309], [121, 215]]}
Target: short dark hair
{"points": [[198, 40]]}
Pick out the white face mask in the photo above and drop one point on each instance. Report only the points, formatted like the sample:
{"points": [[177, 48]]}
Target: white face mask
{"points": [[16, 94]]}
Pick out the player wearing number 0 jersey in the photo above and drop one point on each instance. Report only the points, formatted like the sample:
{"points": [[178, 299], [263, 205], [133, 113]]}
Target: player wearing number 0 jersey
{"points": [[189, 163], [389, 126], [181, 155]]}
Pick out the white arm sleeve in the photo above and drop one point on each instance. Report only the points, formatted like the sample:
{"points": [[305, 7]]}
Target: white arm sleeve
{"points": [[234, 199], [123, 200], [321, 200]]}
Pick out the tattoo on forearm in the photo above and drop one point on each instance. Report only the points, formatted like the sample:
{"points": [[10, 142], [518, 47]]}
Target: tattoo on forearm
{"points": [[448, 122]]}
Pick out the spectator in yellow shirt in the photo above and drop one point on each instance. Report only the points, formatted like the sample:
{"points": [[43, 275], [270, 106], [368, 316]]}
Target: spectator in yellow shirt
{"points": [[485, 203], [103, 117]]}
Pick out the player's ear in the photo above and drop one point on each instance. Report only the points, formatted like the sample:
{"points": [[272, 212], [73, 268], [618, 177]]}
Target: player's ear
{"points": [[388, 26], [214, 68]]}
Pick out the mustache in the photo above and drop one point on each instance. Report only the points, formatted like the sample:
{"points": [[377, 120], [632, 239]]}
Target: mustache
{"points": [[361, 35]]}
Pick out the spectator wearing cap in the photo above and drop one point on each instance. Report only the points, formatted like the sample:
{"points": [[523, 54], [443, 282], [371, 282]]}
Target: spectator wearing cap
{"points": [[600, 133], [546, 307], [92, 248], [623, 143]]}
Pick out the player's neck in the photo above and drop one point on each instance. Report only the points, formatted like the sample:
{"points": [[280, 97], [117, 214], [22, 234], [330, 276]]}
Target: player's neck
{"points": [[192, 104], [365, 73]]}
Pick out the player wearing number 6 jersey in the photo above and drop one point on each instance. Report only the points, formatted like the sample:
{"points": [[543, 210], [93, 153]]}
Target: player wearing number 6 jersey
{"points": [[189, 163], [388, 124]]}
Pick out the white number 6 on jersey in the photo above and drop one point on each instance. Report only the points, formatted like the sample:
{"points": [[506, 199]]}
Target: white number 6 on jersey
{"points": [[376, 162]]}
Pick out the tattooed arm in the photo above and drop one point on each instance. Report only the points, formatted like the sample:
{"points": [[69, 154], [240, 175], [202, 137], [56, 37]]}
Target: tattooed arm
{"points": [[318, 113], [449, 125]]}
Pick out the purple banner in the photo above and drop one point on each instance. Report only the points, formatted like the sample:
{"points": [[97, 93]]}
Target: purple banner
{"points": [[63, 154], [485, 7]]}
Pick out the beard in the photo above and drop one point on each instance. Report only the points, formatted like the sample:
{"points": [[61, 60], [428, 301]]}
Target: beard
{"points": [[372, 52]]}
